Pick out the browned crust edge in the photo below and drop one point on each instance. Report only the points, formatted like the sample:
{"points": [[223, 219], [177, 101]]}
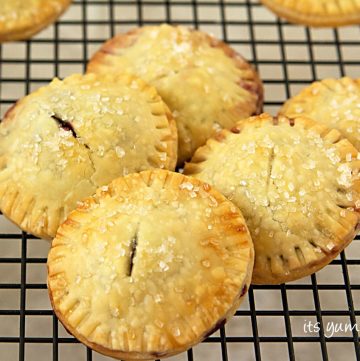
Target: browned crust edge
{"points": [[312, 20], [151, 355], [30, 29], [121, 355], [254, 86], [41, 232], [306, 99], [172, 152], [309, 268]]}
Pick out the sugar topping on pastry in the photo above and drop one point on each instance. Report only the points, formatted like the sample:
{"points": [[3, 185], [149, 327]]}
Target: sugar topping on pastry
{"points": [[206, 84], [297, 184], [136, 271], [332, 102], [58, 144]]}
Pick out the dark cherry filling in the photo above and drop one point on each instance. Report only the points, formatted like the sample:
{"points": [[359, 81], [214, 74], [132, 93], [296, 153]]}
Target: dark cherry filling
{"points": [[67, 126], [63, 124], [133, 245], [243, 291]]}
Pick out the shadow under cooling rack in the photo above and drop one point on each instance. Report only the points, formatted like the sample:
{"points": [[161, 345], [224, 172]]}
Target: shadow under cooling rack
{"points": [[271, 324]]}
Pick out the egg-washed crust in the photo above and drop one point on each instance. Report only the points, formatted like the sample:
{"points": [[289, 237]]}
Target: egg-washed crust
{"points": [[24, 23], [190, 268], [58, 144], [332, 102], [317, 13], [288, 246], [248, 99]]}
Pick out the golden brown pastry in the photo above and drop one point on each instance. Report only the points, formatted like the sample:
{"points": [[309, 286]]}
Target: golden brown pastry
{"points": [[149, 266], [21, 19], [317, 12], [58, 144], [206, 84], [297, 183], [332, 102]]}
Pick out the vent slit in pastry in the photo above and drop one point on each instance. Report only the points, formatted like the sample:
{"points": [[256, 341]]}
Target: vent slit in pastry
{"points": [[67, 126], [190, 263], [270, 168], [290, 197], [63, 141], [133, 245]]}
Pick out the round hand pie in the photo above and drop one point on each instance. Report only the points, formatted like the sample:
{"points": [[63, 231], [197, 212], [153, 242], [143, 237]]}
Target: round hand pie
{"points": [[21, 19], [317, 12], [58, 144], [298, 186], [332, 102], [149, 266], [206, 84]]}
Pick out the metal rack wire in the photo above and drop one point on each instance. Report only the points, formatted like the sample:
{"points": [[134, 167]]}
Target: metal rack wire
{"points": [[270, 325]]}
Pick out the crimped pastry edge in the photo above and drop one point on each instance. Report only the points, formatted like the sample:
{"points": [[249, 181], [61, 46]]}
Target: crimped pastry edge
{"points": [[151, 355], [312, 20], [126, 40], [305, 95], [43, 232], [194, 166], [27, 30]]}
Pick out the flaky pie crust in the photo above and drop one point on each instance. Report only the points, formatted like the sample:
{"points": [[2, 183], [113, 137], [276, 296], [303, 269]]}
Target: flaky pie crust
{"points": [[58, 144], [206, 84], [20, 19], [332, 102], [317, 12], [149, 266], [296, 182]]}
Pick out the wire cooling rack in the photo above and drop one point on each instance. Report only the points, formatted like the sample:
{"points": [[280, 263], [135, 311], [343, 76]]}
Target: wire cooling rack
{"points": [[274, 322]]}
